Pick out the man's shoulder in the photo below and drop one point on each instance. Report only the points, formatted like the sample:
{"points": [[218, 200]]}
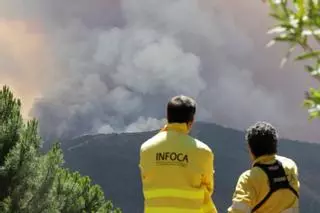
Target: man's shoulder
{"points": [[286, 161], [246, 176], [149, 143], [253, 176], [288, 164], [202, 146]]}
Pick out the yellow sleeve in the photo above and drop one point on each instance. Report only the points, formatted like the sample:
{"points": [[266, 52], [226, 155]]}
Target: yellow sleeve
{"points": [[141, 166], [208, 177], [243, 195], [208, 182]]}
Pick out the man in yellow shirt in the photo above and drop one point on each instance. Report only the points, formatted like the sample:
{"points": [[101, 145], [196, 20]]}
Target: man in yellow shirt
{"points": [[177, 170], [271, 185]]}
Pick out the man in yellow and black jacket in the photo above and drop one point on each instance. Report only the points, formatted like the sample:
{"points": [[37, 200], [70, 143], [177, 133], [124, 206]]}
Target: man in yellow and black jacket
{"points": [[177, 170], [271, 185]]}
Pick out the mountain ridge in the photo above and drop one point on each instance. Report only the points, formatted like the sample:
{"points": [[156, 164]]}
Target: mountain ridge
{"points": [[196, 125]]}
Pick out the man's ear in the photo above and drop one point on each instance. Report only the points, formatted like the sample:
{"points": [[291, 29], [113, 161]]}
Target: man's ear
{"points": [[190, 123]]}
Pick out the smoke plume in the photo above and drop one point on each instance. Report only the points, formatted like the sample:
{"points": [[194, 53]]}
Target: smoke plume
{"points": [[105, 66]]}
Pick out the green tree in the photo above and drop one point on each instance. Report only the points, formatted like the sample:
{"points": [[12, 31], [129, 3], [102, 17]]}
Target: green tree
{"points": [[32, 182], [77, 195], [298, 24]]}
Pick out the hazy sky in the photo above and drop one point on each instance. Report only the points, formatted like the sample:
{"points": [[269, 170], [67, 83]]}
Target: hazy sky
{"points": [[109, 65]]}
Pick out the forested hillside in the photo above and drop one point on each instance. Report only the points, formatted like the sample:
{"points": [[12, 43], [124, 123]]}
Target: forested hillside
{"points": [[112, 161]]}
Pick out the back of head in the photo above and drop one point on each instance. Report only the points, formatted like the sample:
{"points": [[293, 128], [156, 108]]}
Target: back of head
{"points": [[181, 109], [262, 138]]}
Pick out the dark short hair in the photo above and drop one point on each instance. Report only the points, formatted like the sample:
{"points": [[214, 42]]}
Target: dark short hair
{"points": [[181, 109], [262, 138]]}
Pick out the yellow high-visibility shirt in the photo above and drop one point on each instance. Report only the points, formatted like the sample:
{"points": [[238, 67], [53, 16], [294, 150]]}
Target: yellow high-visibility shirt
{"points": [[177, 172], [253, 186]]}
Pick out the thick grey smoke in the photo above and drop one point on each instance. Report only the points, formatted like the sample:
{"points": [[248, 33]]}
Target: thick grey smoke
{"points": [[114, 64]]}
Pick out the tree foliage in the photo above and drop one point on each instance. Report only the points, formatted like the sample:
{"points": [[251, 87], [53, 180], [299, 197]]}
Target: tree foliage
{"points": [[298, 24], [32, 182]]}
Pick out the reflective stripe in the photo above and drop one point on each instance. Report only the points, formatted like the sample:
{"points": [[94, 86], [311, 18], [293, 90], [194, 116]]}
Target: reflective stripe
{"points": [[291, 210], [174, 202], [241, 206], [188, 194], [170, 210]]}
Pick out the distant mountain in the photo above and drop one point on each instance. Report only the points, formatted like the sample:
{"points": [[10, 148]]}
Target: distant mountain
{"points": [[112, 162]]}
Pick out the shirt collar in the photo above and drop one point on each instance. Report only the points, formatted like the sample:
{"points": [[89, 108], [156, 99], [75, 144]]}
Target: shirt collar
{"points": [[265, 159], [177, 127]]}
